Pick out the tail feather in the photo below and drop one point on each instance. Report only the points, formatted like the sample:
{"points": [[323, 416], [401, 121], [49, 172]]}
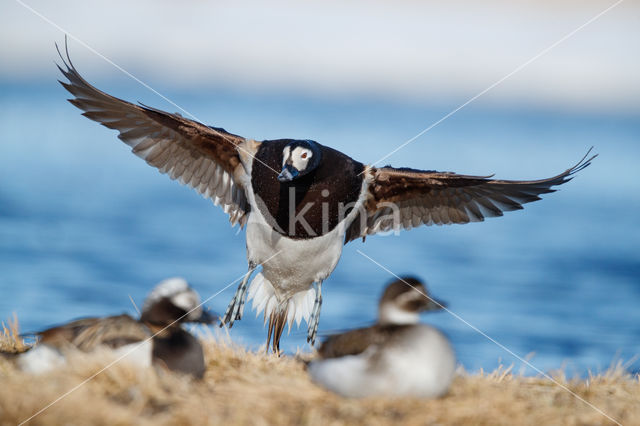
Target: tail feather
{"points": [[260, 293], [277, 322], [300, 307], [264, 298], [277, 314]]}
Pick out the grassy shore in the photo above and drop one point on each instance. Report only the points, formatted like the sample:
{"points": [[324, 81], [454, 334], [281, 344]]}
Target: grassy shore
{"points": [[242, 387]]}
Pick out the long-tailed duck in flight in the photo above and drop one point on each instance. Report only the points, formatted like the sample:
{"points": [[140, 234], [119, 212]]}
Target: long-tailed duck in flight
{"points": [[300, 200], [157, 338], [395, 357]]}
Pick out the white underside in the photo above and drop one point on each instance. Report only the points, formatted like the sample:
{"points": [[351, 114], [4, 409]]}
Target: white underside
{"points": [[423, 365], [139, 353], [291, 267], [43, 358]]}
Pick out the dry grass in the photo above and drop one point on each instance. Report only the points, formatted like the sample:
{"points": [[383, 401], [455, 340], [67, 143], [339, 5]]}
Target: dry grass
{"points": [[10, 340], [243, 387]]}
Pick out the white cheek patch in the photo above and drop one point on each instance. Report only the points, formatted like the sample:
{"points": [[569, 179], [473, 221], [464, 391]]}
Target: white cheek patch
{"points": [[391, 314], [285, 154], [298, 161], [186, 300], [166, 288]]}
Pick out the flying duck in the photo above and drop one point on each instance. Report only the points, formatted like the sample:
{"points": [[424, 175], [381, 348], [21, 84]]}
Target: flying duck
{"points": [[395, 357], [157, 338], [299, 200]]}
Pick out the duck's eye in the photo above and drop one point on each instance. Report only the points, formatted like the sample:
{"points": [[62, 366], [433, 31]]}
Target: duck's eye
{"points": [[304, 155]]}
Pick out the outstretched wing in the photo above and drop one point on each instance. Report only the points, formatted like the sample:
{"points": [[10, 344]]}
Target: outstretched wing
{"points": [[205, 158], [407, 198]]}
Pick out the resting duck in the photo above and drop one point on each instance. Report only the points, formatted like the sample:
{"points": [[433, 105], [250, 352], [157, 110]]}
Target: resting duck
{"points": [[395, 357], [157, 338]]}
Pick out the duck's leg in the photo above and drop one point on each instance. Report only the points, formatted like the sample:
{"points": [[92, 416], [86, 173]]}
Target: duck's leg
{"points": [[236, 306], [315, 315]]}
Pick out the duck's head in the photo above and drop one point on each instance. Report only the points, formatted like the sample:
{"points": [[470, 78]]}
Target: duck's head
{"points": [[299, 157], [403, 300], [173, 300]]}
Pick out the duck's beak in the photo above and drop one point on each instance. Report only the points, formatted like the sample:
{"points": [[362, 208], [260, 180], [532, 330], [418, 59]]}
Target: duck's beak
{"points": [[288, 173], [207, 317]]}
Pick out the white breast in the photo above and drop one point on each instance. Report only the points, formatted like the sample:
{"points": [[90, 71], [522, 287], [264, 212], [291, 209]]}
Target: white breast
{"points": [[289, 268], [138, 353], [291, 265]]}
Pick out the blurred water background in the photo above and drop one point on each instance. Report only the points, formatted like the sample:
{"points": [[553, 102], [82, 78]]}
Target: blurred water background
{"points": [[84, 224]]}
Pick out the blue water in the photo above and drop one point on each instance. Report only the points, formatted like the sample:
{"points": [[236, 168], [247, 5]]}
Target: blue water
{"points": [[84, 224]]}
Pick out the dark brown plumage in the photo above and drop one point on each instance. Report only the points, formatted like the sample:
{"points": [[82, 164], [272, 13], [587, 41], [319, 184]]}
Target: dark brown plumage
{"points": [[177, 350], [442, 198], [356, 341], [318, 195], [87, 334]]}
